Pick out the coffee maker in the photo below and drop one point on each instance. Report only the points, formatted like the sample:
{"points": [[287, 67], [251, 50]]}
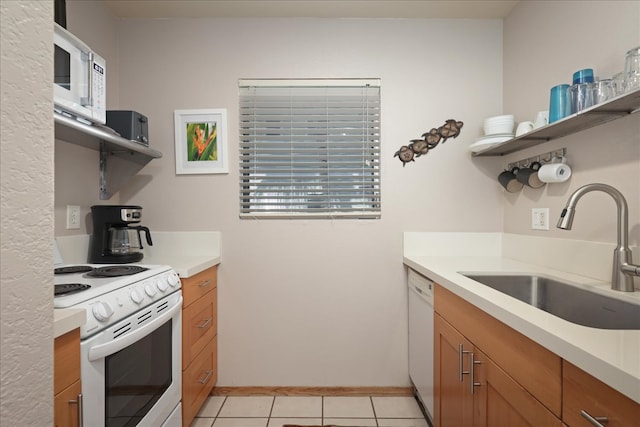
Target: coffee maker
{"points": [[116, 239]]}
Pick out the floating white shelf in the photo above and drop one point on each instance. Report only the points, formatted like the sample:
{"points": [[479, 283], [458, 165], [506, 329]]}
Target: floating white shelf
{"points": [[618, 107]]}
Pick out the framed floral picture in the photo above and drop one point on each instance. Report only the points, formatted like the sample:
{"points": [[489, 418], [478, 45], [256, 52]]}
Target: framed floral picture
{"points": [[201, 141]]}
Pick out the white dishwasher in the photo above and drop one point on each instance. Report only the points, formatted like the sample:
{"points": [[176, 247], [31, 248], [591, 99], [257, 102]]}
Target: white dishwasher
{"points": [[421, 338]]}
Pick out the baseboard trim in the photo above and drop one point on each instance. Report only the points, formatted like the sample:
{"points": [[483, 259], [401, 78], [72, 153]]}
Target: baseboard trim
{"points": [[312, 391]]}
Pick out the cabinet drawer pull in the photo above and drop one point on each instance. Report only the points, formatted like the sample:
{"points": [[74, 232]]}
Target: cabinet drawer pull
{"points": [[206, 378], [472, 363], [205, 283], [596, 421], [80, 409], [205, 323], [461, 353]]}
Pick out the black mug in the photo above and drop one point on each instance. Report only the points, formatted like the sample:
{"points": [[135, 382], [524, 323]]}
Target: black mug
{"points": [[509, 181], [529, 175]]}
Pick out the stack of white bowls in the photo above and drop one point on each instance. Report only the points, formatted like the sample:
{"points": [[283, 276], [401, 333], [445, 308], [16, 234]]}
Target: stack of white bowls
{"points": [[497, 129]]}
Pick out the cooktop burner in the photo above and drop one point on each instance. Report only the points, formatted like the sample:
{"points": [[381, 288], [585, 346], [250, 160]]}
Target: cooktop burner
{"points": [[69, 288], [116, 270], [72, 269]]}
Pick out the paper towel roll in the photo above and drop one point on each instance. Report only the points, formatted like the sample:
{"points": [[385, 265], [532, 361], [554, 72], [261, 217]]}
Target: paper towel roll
{"points": [[554, 172]]}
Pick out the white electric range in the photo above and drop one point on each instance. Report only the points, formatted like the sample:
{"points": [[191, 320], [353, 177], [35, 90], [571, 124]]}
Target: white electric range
{"points": [[131, 343]]}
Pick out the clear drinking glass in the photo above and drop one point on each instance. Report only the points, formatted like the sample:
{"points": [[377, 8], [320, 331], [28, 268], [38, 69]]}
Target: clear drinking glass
{"points": [[582, 95], [618, 82], [605, 90], [632, 70]]}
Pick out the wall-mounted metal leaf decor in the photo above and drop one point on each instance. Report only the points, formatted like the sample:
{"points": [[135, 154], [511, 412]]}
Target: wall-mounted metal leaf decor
{"points": [[429, 141]]}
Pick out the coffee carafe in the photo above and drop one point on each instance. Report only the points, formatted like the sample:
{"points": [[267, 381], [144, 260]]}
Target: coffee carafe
{"points": [[116, 238], [126, 240]]}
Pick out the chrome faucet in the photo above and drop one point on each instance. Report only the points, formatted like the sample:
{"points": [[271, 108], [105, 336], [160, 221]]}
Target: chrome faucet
{"points": [[623, 269]]}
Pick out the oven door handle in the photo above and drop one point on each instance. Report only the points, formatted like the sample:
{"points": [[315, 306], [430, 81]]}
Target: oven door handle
{"points": [[102, 350]]}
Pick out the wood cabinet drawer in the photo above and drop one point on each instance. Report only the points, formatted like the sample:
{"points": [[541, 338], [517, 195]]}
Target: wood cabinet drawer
{"points": [[65, 406], [198, 285], [537, 369], [66, 360], [198, 380], [581, 391], [199, 326]]}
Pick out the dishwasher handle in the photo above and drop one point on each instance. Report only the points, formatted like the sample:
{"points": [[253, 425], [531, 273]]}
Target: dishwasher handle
{"points": [[421, 285], [425, 296]]}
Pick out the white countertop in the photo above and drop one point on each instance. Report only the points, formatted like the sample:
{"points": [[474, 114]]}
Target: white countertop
{"points": [[187, 252], [67, 319], [613, 356], [189, 265]]}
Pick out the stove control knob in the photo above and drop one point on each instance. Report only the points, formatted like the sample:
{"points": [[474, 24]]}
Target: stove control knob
{"points": [[173, 280], [162, 285], [102, 311], [136, 295], [150, 290]]}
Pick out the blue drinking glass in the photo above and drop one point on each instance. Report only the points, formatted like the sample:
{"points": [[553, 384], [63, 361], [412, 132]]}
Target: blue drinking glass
{"points": [[559, 105], [583, 76]]}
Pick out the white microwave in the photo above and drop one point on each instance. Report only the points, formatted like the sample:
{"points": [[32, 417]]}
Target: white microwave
{"points": [[79, 82]]}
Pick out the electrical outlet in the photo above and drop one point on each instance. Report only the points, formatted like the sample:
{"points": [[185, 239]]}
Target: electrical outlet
{"points": [[540, 218], [73, 217]]}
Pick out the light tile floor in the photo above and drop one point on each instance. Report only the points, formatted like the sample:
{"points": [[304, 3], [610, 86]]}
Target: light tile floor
{"points": [[269, 411]]}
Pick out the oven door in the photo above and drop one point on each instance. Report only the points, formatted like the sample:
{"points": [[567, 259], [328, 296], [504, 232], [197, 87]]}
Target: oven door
{"points": [[131, 372]]}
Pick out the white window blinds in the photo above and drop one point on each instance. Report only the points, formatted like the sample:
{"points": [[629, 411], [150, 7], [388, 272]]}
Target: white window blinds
{"points": [[310, 148]]}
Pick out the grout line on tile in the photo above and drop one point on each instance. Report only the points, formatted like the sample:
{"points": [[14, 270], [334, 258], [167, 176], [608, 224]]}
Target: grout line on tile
{"points": [[373, 408], [273, 402], [220, 409]]}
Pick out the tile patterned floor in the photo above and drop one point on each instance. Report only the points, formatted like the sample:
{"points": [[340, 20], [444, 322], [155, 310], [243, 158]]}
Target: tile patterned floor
{"points": [[269, 411]]}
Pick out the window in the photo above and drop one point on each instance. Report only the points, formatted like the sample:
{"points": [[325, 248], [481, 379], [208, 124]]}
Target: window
{"points": [[310, 148]]}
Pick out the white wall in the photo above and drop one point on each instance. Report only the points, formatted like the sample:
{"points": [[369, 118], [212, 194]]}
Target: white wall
{"points": [[597, 34], [315, 302], [26, 174]]}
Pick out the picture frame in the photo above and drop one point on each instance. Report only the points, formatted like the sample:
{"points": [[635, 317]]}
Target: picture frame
{"points": [[201, 141]]}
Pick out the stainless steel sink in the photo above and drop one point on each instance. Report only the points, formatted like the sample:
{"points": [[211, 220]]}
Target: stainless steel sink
{"points": [[564, 300]]}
